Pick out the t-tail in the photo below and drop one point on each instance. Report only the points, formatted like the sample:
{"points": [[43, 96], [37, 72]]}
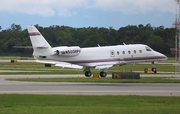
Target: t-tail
{"points": [[41, 47]]}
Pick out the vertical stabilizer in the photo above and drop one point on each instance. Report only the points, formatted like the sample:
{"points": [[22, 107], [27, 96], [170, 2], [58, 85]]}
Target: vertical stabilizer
{"points": [[37, 39], [40, 46]]}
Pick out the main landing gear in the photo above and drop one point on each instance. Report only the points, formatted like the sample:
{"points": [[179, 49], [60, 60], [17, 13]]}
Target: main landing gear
{"points": [[88, 72], [103, 74]]}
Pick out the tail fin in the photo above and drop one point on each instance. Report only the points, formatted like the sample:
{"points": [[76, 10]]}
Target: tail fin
{"points": [[40, 46], [37, 39]]}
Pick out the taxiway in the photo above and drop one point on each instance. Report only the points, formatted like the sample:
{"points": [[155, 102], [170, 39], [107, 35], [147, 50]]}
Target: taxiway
{"points": [[11, 87]]}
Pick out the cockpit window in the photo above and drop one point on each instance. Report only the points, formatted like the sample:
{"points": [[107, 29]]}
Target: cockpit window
{"points": [[148, 49]]}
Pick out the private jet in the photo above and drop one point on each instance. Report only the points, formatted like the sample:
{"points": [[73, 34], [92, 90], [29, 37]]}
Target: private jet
{"points": [[100, 57]]}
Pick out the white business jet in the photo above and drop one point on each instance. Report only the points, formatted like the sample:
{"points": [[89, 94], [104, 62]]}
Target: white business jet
{"points": [[100, 57]]}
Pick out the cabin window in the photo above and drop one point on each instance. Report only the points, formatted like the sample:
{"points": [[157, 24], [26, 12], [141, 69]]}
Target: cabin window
{"points": [[123, 52], [129, 52], [148, 49], [117, 52], [140, 51], [112, 53], [134, 51]]}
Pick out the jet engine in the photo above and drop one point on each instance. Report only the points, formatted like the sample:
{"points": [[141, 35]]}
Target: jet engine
{"points": [[67, 51]]}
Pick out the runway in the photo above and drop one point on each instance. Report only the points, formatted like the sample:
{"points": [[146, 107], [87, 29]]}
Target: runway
{"points": [[10, 87]]}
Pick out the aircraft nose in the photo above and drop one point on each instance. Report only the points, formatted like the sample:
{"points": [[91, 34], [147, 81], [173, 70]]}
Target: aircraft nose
{"points": [[160, 56], [163, 57]]}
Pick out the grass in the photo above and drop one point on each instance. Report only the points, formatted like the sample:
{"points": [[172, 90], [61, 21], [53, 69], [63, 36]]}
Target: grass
{"points": [[70, 104], [38, 68], [103, 80]]}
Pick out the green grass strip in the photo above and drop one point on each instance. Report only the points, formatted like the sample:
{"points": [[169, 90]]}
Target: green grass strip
{"points": [[103, 80], [39, 68], [71, 104]]}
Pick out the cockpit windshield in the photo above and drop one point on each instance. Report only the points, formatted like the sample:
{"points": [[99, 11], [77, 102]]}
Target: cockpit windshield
{"points": [[148, 49]]}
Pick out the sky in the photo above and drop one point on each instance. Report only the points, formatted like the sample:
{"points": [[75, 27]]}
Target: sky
{"points": [[87, 13]]}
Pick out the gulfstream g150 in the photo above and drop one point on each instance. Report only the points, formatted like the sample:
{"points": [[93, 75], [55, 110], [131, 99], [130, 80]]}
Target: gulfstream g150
{"points": [[100, 57]]}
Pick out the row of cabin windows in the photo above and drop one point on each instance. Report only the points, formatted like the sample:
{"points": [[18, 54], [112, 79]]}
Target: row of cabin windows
{"points": [[129, 52]]}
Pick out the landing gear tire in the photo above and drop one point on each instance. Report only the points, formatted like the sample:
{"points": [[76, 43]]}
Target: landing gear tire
{"points": [[88, 74], [103, 74]]}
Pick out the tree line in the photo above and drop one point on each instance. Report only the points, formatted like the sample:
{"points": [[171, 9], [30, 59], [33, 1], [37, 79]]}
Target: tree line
{"points": [[158, 38]]}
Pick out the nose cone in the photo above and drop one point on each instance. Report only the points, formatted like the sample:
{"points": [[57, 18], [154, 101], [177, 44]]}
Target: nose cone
{"points": [[165, 57], [161, 57]]}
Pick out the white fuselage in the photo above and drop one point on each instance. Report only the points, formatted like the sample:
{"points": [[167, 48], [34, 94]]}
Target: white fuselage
{"points": [[117, 55]]}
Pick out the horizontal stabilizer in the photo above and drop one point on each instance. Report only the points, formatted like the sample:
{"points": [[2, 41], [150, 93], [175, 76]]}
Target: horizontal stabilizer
{"points": [[24, 47], [42, 47]]}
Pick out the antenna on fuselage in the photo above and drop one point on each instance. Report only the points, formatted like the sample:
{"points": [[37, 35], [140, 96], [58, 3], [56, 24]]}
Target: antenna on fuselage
{"points": [[98, 45], [124, 43]]}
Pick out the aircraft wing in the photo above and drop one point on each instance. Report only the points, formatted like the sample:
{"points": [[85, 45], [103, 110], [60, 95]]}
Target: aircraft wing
{"points": [[61, 64], [103, 67], [107, 65]]}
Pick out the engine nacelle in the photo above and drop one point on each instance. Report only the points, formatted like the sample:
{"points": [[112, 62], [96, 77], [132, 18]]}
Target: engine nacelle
{"points": [[67, 51]]}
